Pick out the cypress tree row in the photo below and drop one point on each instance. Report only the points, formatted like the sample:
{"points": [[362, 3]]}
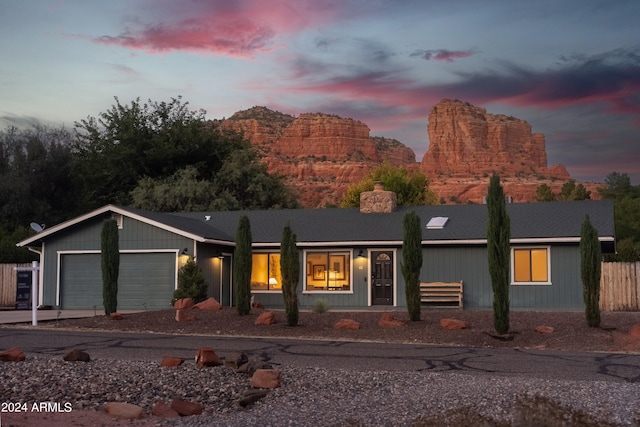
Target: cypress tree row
{"points": [[412, 255], [590, 267], [498, 236], [290, 270], [242, 266], [110, 263]]}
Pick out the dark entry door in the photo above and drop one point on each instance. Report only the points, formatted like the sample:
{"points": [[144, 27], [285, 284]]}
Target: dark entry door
{"points": [[382, 278]]}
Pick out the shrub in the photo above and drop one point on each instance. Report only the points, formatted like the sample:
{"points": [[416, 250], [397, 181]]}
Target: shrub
{"points": [[498, 247], [290, 270], [320, 306], [110, 263], [242, 266], [590, 268], [191, 283]]}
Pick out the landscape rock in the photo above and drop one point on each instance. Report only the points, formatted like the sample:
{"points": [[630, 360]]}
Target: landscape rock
{"points": [[266, 318], [123, 410], [116, 316], [453, 324], [208, 304], [236, 360], [542, 329], [206, 357], [185, 316], [253, 365], [169, 361], [388, 321], [12, 355], [249, 397], [265, 378], [257, 305], [183, 303], [77, 356], [164, 410], [635, 331], [186, 408], [347, 324]]}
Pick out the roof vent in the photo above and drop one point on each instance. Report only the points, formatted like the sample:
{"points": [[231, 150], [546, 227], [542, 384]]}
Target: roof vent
{"points": [[437, 222], [118, 219], [207, 217]]}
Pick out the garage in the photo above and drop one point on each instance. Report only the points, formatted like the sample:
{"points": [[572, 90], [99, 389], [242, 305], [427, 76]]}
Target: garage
{"points": [[146, 281]]}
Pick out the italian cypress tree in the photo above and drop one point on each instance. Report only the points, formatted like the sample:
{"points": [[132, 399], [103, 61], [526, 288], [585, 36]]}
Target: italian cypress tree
{"points": [[290, 270], [242, 266], [412, 263], [590, 267], [498, 236], [110, 262]]}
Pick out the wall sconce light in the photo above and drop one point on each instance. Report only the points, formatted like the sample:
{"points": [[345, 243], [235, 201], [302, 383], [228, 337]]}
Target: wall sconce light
{"points": [[219, 255], [361, 254], [184, 251]]}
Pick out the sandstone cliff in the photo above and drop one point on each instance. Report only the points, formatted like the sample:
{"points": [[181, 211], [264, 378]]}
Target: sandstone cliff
{"points": [[318, 154]]}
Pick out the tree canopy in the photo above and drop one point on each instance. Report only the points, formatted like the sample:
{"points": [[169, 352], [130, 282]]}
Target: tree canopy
{"points": [[411, 188]]}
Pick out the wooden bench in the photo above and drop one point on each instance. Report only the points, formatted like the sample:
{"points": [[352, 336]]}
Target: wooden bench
{"points": [[441, 294]]}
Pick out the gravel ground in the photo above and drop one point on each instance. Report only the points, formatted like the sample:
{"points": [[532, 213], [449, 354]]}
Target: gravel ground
{"points": [[320, 397]]}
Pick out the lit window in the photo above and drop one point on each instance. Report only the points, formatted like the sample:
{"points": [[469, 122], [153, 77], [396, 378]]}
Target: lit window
{"points": [[530, 265], [328, 271], [265, 272]]}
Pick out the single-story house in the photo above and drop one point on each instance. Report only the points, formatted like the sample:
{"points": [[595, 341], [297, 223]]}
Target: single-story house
{"points": [[349, 257]]}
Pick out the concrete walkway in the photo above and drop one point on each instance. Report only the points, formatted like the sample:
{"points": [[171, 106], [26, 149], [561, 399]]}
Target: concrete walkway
{"points": [[25, 316]]}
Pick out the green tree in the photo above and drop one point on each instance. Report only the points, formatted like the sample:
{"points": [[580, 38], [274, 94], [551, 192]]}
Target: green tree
{"points": [[191, 283], [571, 191], [544, 194], [412, 263], [242, 266], [590, 267], [412, 189], [498, 246], [110, 261], [290, 270], [9, 252], [627, 215]]}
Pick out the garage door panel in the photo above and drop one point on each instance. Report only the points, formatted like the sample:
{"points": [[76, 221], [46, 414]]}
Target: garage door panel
{"points": [[145, 281]]}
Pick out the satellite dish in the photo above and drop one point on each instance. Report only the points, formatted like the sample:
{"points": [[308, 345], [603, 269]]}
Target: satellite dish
{"points": [[37, 227]]}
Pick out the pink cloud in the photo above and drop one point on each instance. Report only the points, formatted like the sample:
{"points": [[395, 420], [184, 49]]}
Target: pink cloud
{"points": [[238, 29]]}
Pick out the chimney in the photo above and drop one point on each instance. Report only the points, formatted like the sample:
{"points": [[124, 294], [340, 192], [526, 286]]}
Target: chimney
{"points": [[378, 200]]}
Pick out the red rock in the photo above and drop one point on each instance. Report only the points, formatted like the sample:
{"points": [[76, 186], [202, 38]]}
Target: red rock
{"points": [[453, 324], [183, 303], [388, 321], [348, 324], [123, 410], [164, 410], [257, 305], [77, 356], [171, 361], [116, 316], [185, 316], [265, 378], [12, 355], [186, 408], [635, 331], [266, 318], [547, 330], [206, 356], [208, 304]]}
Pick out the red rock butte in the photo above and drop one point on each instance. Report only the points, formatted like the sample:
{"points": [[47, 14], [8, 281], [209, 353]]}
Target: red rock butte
{"points": [[321, 155]]}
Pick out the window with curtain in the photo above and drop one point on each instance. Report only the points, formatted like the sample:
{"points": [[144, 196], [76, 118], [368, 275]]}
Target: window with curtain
{"points": [[265, 272], [530, 266]]}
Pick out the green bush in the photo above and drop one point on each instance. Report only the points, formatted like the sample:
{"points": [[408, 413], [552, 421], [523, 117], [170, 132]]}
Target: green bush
{"points": [[191, 283], [320, 306]]}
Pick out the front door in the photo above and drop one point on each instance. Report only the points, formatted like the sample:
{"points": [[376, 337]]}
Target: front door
{"points": [[382, 278]]}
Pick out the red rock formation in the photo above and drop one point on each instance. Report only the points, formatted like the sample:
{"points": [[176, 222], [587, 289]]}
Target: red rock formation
{"points": [[466, 141]]}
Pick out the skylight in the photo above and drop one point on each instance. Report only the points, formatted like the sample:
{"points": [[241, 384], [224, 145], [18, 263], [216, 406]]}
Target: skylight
{"points": [[437, 222]]}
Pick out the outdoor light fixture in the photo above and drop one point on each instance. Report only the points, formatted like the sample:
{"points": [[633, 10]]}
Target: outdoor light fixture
{"points": [[219, 255], [361, 254], [184, 251]]}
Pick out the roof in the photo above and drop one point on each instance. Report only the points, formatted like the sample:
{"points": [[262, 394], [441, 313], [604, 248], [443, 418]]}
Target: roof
{"points": [[530, 222]]}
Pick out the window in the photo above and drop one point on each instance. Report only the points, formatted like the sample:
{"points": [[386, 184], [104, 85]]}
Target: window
{"points": [[328, 271], [530, 266], [265, 272]]}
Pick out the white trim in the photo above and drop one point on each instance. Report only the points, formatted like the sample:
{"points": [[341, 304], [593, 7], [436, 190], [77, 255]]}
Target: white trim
{"points": [[513, 266]]}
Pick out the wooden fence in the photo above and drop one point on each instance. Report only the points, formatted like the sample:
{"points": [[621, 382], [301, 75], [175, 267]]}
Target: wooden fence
{"points": [[8, 285], [620, 286]]}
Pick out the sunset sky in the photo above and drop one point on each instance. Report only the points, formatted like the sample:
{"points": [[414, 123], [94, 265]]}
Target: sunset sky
{"points": [[571, 68]]}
